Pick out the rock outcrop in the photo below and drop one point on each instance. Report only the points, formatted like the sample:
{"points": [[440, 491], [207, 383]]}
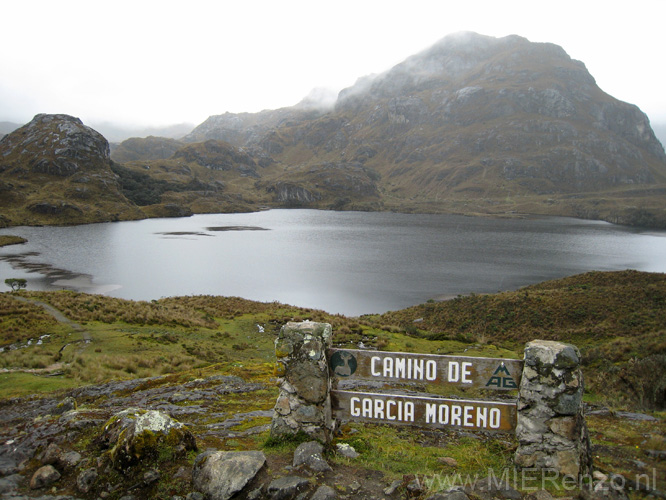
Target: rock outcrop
{"points": [[55, 169], [59, 145], [33, 432], [218, 155]]}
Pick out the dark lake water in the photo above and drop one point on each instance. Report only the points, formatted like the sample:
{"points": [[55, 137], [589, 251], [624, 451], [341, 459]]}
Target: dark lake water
{"points": [[343, 262]]}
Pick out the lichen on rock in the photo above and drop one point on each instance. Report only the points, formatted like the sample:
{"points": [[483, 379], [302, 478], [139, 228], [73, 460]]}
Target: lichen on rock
{"points": [[134, 434]]}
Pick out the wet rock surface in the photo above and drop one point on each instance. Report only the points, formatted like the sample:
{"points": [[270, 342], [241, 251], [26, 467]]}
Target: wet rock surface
{"points": [[61, 457], [36, 433]]}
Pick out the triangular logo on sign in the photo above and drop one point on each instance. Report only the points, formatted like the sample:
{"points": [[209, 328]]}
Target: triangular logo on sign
{"points": [[502, 378]]}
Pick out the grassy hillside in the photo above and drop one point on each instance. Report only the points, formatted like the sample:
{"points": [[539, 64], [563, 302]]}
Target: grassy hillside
{"points": [[618, 320]]}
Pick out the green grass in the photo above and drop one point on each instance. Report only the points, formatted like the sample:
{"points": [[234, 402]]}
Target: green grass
{"points": [[22, 384], [616, 319], [397, 451]]}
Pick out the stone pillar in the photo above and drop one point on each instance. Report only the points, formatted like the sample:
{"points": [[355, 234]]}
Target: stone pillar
{"points": [[551, 429], [304, 401]]}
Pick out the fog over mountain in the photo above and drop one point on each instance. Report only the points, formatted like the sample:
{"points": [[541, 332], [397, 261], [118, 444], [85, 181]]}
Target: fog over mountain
{"points": [[473, 124], [118, 133]]}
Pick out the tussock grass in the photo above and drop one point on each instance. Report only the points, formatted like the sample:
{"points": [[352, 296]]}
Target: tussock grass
{"points": [[616, 319], [20, 321]]}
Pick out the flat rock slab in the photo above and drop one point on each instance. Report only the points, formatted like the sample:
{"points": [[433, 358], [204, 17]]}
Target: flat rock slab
{"points": [[221, 474], [286, 487]]}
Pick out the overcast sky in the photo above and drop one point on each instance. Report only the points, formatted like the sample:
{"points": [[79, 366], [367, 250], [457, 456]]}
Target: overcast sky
{"points": [[161, 62]]}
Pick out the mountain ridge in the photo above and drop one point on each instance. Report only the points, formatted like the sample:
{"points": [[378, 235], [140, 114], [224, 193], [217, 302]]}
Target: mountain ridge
{"points": [[477, 121], [472, 125]]}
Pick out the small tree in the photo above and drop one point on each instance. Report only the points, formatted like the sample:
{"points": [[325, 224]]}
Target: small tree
{"points": [[16, 283]]}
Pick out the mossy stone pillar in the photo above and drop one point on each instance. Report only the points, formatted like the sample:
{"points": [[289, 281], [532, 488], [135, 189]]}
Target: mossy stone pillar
{"points": [[551, 429], [304, 401]]}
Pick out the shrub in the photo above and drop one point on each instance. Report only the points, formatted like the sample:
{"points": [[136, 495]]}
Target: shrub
{"points": [[645, 379]]}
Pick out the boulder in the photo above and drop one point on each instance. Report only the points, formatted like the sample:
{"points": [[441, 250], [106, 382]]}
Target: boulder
{"points": [[310, 454], [69, 459], [324, 492], [346, 450], [86, 480], [134, 435], [51, 455], [44, 477], [221, 474], [491, 488], [67, 404]]}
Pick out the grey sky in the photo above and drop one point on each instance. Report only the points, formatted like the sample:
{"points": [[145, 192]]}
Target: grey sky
{"points": [[146, 62]]}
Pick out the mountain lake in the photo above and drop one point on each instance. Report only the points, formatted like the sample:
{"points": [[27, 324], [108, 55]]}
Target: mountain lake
{"points": [[350, 263]]}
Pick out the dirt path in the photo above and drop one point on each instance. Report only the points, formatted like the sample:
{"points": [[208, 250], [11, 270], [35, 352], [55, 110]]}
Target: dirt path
{"points": [[61, 318]]}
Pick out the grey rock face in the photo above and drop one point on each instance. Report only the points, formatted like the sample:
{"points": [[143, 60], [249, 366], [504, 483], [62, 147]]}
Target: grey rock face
{"points": [[9, 483], [220, 475], [56, 145], [67, 404], [289, 192]]}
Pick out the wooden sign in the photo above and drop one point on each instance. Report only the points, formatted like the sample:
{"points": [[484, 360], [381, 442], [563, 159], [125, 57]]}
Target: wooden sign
{"points": [[466, 371], [423, 411]]}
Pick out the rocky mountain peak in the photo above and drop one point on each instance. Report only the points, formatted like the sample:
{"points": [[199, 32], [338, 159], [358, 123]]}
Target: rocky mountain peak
{"points": [[56, 145], [56, 170], [468, 59]]}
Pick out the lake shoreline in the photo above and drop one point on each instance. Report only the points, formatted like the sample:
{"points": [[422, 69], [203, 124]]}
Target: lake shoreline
{"points": [[6, 240], [352, 263]]}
